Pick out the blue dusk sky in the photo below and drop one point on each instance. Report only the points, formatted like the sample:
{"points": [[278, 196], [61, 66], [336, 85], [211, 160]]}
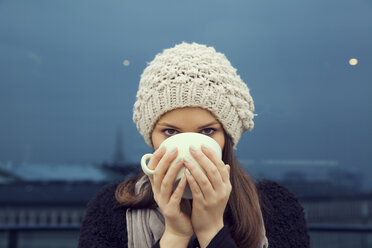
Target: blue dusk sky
{"points": [[69, 72]]}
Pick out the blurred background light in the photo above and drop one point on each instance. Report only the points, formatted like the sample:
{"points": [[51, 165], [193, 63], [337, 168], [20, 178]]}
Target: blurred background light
{"points": [[353, 61], [126, 62]]}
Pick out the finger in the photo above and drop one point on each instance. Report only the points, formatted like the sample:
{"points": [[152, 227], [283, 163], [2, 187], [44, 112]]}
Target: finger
{"points": [[162, 167], [228, 171], [228, 182], [158, 154], [167, 184], [209, 167], [197, 194], [217, 161], [200, 178], [178, 192]]}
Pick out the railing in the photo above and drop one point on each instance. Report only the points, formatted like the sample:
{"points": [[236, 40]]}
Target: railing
{"points": [[13, 231], [340, 228]]}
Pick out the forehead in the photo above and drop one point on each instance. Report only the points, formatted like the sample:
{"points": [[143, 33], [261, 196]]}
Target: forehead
{"points": [[188, 116]]}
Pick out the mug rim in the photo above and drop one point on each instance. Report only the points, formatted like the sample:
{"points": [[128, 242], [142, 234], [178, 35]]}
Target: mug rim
{"points": [[209, 139]]}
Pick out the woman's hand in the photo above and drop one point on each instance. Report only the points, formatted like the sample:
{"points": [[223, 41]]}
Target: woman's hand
{"points": [[210, 193], [178, 228]]}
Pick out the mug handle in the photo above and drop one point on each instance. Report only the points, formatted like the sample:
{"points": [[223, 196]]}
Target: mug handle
{"points": [[146, 169]]}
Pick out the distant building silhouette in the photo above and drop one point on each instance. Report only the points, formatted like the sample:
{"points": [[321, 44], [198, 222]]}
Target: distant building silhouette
{"points": [[119, 165], [338, 183], [118, 155]]}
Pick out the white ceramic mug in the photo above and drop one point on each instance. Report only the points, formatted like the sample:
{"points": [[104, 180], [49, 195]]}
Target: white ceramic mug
{"points": [[182, 142]]}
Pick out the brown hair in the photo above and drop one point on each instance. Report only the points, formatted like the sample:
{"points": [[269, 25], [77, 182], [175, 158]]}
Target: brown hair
{"points": [[242, 214]]}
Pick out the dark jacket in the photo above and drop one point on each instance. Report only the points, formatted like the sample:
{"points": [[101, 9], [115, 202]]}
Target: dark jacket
{"points": [[104, 225]]}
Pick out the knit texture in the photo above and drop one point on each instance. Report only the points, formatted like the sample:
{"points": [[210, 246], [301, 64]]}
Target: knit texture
{"points": [[193, 75]]}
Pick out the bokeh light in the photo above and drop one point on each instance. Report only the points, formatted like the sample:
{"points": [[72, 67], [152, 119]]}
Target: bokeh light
{"points": [[126, 62], [353, 61]]}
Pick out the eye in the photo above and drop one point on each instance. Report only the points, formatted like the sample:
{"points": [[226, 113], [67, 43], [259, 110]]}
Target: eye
{"points": [[169, 132], [208, 131]]}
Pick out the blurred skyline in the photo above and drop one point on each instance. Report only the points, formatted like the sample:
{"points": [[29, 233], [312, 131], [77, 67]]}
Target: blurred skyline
{"points": [[70, 71]]}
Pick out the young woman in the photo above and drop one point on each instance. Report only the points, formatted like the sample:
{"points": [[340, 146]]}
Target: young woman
{"points": [[193, 88]]}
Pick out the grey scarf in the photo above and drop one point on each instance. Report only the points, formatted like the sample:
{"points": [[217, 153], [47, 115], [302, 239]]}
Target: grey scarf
{"points": [[146, 226]]}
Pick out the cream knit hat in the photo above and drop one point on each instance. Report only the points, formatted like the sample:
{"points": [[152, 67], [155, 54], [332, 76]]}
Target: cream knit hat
{"points": [[193, 75]]}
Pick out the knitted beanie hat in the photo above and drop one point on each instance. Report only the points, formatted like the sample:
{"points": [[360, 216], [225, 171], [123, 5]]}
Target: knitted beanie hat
{"points": [[193, 75]]}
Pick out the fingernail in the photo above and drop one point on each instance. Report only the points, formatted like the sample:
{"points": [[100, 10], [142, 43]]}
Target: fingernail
{"points": [[205, 147], [193, 148], [187, 171], [159, 150], [173, 150]]}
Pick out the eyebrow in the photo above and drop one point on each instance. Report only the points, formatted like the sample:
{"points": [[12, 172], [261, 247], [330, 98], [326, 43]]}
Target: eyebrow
{"points": [[201, 127]]}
